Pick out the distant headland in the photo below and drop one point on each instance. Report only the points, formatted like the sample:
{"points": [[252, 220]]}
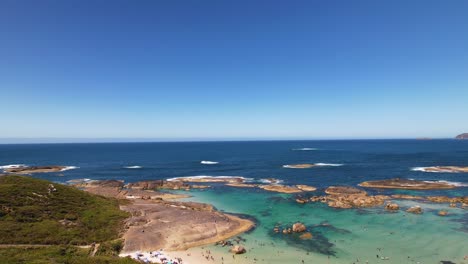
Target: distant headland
{"points": [[462, 136]]}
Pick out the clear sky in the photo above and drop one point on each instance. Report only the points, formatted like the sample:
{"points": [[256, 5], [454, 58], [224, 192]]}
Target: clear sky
{"points": [[233, 69]]}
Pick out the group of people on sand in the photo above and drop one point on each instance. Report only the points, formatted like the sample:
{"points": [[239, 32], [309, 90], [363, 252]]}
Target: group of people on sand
{"points": [[156, 256]]}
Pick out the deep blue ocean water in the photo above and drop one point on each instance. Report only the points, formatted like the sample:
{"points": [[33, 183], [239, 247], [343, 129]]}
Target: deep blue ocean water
{"points": [[361, 159], [350, 234]]}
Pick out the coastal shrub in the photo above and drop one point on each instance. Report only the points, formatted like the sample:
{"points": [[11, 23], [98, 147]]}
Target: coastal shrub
{"points": [[32, 214], [110, 248], [56, 254]]}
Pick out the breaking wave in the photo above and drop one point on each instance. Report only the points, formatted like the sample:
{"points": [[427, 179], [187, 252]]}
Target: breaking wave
{"points": [[208, 162], [133, 167], [271, 181], [12, 166], [305, 149], [328, 164], [69, 168]]}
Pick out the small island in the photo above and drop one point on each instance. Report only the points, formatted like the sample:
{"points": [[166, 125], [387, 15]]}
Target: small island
{"points": [[462, 136], [407, 184]]}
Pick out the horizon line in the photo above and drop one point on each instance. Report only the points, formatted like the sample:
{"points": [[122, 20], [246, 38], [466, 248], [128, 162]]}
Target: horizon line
{"points": [[53, 140]]}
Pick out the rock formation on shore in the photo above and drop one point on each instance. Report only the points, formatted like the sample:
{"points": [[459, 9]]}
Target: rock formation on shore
{"points": [[157, 224], [462, 136], [398, 183], [35, 169], [118, 189]]}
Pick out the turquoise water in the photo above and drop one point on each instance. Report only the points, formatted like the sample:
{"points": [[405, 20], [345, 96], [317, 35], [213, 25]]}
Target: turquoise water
{"points": [[349, 236]]}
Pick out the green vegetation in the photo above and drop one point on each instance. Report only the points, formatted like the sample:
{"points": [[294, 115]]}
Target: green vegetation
{"points": [[54, 219], [56, 255], [32, 212]]}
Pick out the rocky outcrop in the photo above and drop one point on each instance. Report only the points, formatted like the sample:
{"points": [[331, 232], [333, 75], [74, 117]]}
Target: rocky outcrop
{"points": [[242, 185], [344, 190], [286, 189], [298, 227], [35, 169], [398, 183], [238, 249], [392, 207], [158, 184], [349, 197], [306, 188], [462, 136], [415, 210]]}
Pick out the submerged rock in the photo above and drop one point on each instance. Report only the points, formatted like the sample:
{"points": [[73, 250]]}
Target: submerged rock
{"points": [[442, 213], [415, 210], [306, 236]]}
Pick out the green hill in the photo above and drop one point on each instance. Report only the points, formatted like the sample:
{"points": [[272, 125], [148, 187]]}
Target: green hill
{"points": [[38, 212]]}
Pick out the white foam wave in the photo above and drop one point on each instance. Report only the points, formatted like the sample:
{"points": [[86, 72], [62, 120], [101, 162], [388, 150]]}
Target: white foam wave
{"points": [[458, 184], [419, 169], [271, 181], [133, 167], [208, 162], [305, 149], [79, 180], [12, 166], [210, 177], [69, 168], [439, 169], [328, 164]]}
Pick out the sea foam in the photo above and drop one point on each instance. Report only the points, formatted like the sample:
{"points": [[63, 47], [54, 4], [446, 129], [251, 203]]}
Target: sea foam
{"points": [[305, 149], [69, 168], [208, 162], [12, 166], [458, 184], [328, 164], [133, 167]]}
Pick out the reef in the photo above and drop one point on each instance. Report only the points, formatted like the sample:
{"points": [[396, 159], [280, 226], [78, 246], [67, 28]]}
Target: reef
{"points": [[398, 183]]}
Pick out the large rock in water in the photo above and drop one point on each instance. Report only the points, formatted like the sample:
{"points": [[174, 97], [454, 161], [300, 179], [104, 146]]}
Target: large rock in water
{"points": [[462, 136], [392, 207], [299, 227], [238, 249], [415, 210]]}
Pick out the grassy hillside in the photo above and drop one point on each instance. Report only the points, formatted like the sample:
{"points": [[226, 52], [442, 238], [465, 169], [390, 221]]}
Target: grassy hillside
{"points": [[34, 212], [56, 255]]}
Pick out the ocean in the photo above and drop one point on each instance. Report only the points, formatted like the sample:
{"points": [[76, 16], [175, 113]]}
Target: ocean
{"points": [[339, 235]]}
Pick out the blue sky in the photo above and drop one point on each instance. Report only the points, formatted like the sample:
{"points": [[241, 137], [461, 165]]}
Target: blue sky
{"points": [[233, 69]]}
